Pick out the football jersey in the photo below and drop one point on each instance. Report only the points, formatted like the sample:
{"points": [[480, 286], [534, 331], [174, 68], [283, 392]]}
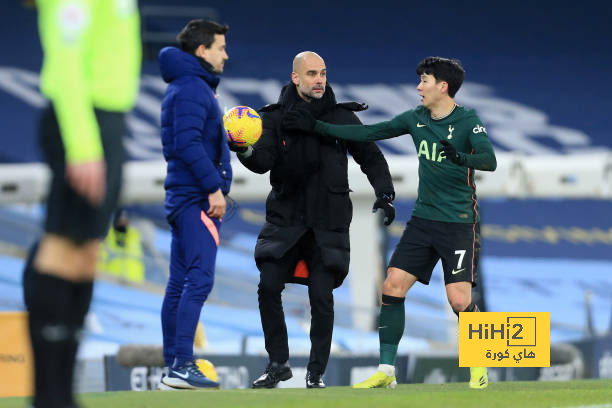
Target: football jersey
{"points": [[446, 190], [92, 54]]}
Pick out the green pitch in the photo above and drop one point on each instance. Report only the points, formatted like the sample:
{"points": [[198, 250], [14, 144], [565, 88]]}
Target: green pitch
{"points": [[583, 394]]}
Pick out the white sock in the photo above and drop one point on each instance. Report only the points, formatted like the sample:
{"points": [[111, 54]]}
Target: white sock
{"points": [[387, 369]]}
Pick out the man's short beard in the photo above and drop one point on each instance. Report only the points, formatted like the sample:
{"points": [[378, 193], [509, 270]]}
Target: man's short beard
{"points": [[312, 95], [307, 94]]}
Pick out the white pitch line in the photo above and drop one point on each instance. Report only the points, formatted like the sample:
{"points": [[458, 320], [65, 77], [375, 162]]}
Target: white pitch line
{"points": [[589, 406]]}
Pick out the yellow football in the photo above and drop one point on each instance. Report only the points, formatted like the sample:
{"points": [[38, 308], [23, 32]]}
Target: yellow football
{"points": [[242, 126], [207, 368]]}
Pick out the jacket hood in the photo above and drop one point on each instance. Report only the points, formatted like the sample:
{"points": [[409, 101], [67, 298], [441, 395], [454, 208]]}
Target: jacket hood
{"points": [[175, 63]]}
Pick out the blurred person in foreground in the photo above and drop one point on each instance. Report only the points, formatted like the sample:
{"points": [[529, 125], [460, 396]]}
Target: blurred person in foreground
{"points": [[451, 143], [308, 213], [199, 176], [90, 74]]}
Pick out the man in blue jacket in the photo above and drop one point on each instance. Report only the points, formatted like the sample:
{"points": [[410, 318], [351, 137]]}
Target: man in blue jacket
{"points": [[199, 175]]}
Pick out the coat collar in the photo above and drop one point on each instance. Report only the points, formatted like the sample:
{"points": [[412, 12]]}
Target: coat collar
{"points": [[175, 63]]}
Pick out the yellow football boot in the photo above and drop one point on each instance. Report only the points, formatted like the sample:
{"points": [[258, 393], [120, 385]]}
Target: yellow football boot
{"points": [[378, 380], [478, 377]]}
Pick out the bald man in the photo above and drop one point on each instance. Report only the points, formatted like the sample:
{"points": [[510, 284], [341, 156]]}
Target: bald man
{"points": [[308, 213], [309, 75]]}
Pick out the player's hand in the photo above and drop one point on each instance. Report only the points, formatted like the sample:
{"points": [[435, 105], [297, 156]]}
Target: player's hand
{"points": [[451, 153], [385, 203], [236, 148], [299, 119], [217, 204], [88, 180]]}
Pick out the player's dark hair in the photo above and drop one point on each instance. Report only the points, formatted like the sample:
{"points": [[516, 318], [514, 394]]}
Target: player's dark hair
{"points": [[443, 69], [198, 32]]}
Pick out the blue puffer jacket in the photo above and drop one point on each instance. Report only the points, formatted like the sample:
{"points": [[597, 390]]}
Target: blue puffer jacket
{"points": [[192, 133]]}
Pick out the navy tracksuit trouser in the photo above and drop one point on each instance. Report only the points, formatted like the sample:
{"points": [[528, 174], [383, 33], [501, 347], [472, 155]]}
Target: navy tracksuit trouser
{"points": [[195, 239]]}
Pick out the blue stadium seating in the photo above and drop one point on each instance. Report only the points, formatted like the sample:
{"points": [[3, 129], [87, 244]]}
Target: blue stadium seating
{"points": [[373, 53]]}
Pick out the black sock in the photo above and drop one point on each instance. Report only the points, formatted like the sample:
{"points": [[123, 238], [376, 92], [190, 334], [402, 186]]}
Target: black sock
{"points": [[83, 292], [28, 275], [50, 303], [81, 299]]}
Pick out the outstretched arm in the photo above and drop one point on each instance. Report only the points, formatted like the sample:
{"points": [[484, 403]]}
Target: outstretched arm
{"points": [[364, 133], [301, 119]]}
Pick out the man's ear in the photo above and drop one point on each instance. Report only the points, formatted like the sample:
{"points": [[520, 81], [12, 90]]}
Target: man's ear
{"points": [[294, 78], [444, 87], [200, 51]]}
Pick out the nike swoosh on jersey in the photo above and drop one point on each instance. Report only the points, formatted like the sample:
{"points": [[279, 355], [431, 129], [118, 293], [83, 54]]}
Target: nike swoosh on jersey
{"points": [[454, 272], [419, 124]]}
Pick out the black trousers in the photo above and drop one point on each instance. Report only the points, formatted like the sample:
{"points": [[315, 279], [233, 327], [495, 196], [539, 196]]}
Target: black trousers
{"points": [[273, 276]]}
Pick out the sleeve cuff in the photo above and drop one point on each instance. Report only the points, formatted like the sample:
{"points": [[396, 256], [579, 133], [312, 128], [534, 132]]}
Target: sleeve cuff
{"points": [[319, 127], [247, 153]]}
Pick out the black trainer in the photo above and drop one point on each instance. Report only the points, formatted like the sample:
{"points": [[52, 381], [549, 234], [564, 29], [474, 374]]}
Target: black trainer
{"points": [[314, 380], [275, 372]]}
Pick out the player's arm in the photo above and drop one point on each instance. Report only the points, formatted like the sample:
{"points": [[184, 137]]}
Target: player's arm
{"points": [[261, 157], [482, 156], [301, 119], [64, 30], [365, 133], [189, 118], [375, 167], [372, 164]]}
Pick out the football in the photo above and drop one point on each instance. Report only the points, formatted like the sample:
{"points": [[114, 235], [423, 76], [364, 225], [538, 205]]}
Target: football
{"points": [[207, 368], [242, 125]]}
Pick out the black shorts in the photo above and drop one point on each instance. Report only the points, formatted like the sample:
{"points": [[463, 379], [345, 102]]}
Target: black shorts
{"points": [[68, 214], [424, 242]]}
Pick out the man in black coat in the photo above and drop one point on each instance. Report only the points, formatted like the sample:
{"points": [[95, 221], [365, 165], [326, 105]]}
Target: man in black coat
{"points": [[308, 212]]}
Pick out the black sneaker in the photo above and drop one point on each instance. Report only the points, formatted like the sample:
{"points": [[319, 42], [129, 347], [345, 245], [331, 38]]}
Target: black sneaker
{"points": [[314, 380], [275, 372]]}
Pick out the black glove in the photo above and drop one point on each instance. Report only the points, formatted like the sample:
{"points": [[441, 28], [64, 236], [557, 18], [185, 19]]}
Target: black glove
{"points": [[299, 119], [451, 153], [385, 202], [236, 148]]}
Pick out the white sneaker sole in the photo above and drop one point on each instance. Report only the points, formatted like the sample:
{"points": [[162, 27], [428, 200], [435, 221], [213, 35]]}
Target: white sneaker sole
{"points": [[392, 385], [177, 383], [183, 385], [164, 387]]}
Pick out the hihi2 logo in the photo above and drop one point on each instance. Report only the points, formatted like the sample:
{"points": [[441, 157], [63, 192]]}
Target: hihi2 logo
{"points": [[497, 339]]}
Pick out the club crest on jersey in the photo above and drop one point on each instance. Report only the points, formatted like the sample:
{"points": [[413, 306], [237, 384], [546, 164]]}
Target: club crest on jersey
{"points": [[450, 132]]}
